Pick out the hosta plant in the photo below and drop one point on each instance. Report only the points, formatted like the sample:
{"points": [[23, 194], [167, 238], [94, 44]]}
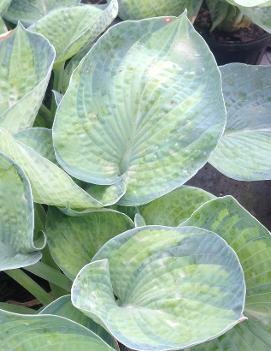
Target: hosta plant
{"points": [[92, 184]]}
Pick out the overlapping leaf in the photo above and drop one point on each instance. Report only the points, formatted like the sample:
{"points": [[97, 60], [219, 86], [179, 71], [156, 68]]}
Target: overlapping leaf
{"points": [[137, 9], [134, 106], [73, 241], [252, 243], [26, 60], [63, 307], [162, 288], [46, 332], [243, 152], [17, 245], [50, 184], [29, 11], [70, 29], [175, 207]]}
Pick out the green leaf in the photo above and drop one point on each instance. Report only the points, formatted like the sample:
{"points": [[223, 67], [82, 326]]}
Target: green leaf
{"points": [[3, 27], [4, 4], [29, 11], [26, 61], [175, 207], [38, 139], [250, 3], [260, 16], [64, 308], [46, 332], [73, 241], [50, 184], [137, 9], [133, 106], [252, 243], [162, 288], [243, 152], [16, 308], [70, 29], [17, 245]]}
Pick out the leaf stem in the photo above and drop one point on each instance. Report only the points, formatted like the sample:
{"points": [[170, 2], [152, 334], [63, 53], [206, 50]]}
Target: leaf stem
{"points": [[50, 274], [30, 285]]}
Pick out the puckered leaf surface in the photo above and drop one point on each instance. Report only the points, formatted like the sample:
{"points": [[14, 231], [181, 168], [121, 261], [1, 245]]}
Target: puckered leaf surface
{"points": [[70, 29], [175, 207], [26, 61], [243, 152], [50, 184], [17, 245], [137, 9], [162, 288], [29, 11], [134, 106], [47, 333], [73, 241], [252, 243], [64, 308]]}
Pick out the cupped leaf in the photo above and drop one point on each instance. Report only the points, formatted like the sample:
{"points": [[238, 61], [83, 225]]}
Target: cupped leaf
{"points": [[175, 207], [137, 9], [64, 308], [17, 245], [29, 11], [4, 4], [134, 105], [70, 29], [162, 288], [73, 241], [46, 332], [252, 243], [243, 152], [50, 184], [26, 61]]}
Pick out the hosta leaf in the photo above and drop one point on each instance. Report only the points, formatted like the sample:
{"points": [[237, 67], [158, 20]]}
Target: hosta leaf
{"points": [[46, 332], [3, 27], [175, 207], [26, 60], [162, 288], [40, 140], [16, 308], [17, 245], [260, 16], [50, 184], [64, 308], [252, 243], [70, 29], [4, 4], [155, 108], [250, 3], [137, 9], [29, 11], [243, 152], [73, 241]]}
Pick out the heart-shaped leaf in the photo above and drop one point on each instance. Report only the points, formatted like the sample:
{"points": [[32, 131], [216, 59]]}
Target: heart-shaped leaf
{"points": [[29, 11], [50, 184], [73, 241], [64, 308], [175, 207], [26, 61], [243, 152], [17, 245], [70, 29], [152, 109], [252, 243], [137, 9], [46, 332], [162, 288]]}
